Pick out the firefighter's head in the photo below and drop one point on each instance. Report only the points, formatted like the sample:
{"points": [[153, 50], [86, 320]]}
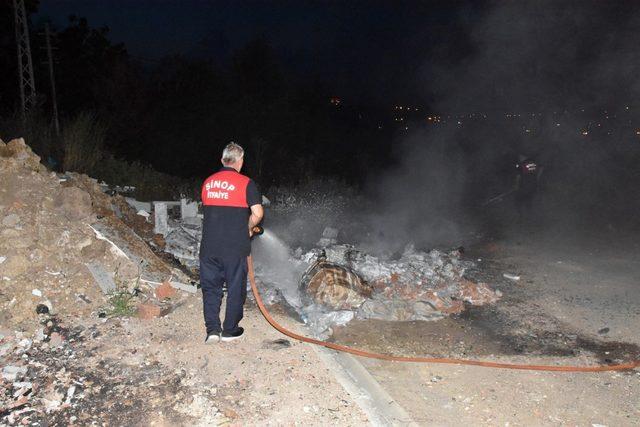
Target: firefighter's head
{"points": [[233, 156]]}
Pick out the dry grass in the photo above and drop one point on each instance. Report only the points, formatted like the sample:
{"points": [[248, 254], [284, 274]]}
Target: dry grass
{"points": [[83, 139]]}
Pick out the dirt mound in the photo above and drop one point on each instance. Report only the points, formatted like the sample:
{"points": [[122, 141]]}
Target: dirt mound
{"points": [[60, 235]]}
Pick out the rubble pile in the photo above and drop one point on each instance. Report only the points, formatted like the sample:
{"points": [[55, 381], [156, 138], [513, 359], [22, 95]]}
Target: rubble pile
{"points": [[417, 286], [64, 244], [72, 255]]}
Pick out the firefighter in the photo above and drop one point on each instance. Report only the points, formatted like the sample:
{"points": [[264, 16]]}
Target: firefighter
{"points": [[232, 207], [526, 185]]}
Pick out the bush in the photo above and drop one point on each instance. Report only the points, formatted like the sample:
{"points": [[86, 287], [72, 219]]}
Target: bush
{"points": [[83, 140], [149, 184]]}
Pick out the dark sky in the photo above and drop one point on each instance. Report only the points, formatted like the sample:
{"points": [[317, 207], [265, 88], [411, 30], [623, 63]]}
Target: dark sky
{"points": [[365, 48], [455, 55]]}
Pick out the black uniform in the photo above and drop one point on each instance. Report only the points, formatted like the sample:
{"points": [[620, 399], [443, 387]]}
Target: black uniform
{"points": [[226, 198]]}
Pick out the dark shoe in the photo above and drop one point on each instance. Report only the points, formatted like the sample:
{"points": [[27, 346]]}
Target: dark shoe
{"points": [[230, 336], [212, 338]]}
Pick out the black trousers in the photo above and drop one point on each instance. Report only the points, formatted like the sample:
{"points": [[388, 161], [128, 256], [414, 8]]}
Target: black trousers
{"points": [[214, 272]]}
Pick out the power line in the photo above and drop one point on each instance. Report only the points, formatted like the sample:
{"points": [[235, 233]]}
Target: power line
{"points": [[54, 101], [25, 65]]}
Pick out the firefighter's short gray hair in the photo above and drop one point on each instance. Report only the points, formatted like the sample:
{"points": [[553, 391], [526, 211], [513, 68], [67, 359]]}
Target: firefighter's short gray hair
{"points": [[232, 153]]}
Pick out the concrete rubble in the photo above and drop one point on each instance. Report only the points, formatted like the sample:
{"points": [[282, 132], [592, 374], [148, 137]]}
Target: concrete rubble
{"points": [[347, 283]]}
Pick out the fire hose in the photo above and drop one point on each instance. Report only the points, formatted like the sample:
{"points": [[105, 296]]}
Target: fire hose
{"points": [[451, 361]]}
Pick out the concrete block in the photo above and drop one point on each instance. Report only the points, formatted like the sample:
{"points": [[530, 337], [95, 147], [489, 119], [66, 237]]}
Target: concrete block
{"points": [[188, 209], [161, 217]]}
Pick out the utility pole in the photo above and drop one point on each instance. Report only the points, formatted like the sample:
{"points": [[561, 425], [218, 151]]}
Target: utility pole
{"points": [[25, 66], [47, 36]]}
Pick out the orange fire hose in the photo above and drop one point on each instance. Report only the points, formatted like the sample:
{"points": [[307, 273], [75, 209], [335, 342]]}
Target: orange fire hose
{"points": [[450, 361]]}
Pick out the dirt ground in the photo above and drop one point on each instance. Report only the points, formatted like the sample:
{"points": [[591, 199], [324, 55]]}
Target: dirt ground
{"points": [[128, 371], [576, 303]]}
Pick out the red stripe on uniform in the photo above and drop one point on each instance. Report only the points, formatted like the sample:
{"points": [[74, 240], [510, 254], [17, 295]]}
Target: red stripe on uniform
{"points": [[225, 188]]}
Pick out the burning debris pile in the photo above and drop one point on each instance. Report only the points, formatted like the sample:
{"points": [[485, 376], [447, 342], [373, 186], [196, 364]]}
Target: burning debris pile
{"points": [[343, 282]]}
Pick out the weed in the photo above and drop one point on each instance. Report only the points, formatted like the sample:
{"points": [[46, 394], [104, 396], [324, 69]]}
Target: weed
{"points": [[121, 304]]}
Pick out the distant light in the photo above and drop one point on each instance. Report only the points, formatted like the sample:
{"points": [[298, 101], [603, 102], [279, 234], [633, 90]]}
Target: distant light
{"points": [[584, 132], [638, 132], [557, 124]]}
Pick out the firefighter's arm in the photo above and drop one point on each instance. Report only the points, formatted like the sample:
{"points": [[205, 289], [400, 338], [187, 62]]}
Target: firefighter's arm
{"points": [[257, 212]]}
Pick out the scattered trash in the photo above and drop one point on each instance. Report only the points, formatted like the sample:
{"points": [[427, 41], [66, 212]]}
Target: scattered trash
{"points": [[603, 331], [144, 214], [510, 276], [12, 373], [56, 340], [36, 292], [42, 309]]}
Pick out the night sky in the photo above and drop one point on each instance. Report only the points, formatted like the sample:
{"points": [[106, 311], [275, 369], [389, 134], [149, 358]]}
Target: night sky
{"points": [[369, 50], [452, 55]]}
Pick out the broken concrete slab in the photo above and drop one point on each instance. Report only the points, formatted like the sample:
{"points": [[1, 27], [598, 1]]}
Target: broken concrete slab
{"points": [[102, 277], [138, 205], [161, 218], [188, 209], [181, 286]]}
